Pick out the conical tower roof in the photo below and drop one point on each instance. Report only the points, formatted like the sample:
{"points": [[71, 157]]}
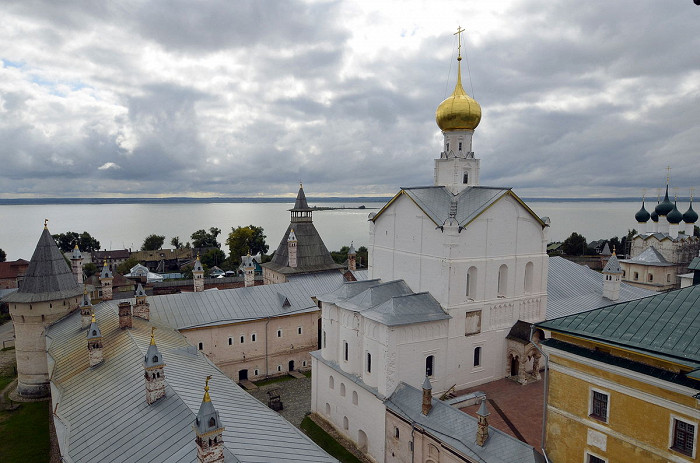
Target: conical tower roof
{"points": [[48, 277], [300, 204]]}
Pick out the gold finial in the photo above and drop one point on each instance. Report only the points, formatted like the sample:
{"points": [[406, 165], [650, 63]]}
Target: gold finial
{"points": [[105, 264], [197, 256], [153, 337], [93, 317], [614, 250], [459, 42], [46, 224], [206, 390], [84, 290]]}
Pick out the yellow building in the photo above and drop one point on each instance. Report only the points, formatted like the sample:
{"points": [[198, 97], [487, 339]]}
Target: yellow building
{"points": [[624, 382]]}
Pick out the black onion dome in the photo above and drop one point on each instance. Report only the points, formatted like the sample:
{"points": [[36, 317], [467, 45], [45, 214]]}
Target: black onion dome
{"points": [[642, 215], [674, 216], [690, 215], [666, 206]]}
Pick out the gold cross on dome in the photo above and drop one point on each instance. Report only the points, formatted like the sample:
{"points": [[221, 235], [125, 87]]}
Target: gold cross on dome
{"points": [[668, 174], [459, 40]]}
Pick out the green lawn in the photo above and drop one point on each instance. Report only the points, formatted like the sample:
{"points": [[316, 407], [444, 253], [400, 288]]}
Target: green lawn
{"points": [[326, 442], [276, 379]]}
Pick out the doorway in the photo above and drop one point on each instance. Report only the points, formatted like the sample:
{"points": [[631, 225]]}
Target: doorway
{"points": [[242, 375], [291, 365], [514, 365]]}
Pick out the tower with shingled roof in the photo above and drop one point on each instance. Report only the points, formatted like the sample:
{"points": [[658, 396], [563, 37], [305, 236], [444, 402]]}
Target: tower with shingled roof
{"points": [[94, 343], [154, 372], [76, 264], [85, 310], [209, 431], [106, 279], [198, 275], [48, 292], [142, 307]]}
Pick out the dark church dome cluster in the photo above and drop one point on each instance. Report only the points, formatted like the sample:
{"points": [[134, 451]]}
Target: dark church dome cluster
{"points": [[667, 209]]}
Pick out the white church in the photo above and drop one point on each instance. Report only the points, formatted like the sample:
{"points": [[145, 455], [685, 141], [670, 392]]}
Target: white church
{"points": [[453, 267]]}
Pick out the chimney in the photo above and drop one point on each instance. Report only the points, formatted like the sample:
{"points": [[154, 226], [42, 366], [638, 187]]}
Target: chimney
{"points": [[153, 371], [482, 433], [352, 258], [198, 276], [85, 310], [94, 343], [292, 249], [427, 396], [209, 431], [141, 308], [125, 315]]}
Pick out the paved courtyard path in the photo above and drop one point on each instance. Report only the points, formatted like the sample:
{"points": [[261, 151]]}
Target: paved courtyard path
{"points": [[295, 395]]}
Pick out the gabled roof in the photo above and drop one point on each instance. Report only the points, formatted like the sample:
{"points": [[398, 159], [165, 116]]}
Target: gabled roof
{"points": [[574, 288], [375, 295], [458, 429], [441, 205], [650, 256], [347, 290], [613, 265], [48, 276], [407, 309], [312, 254], [694, 264], [13, 269], [666, 325], [101, 413]]}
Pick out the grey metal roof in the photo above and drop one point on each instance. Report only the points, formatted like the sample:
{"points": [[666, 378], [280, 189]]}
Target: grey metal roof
{"points": [[613, 265], [360, 274], [48, 276], [318, 283], [458, 429], [573, 288], [376, 295], [101, 413], [347, 290], [694, 264], [658, 235], [407, 309], [666, 325], [218, 307], [650, 256], [442, 206], [312, 254], [606, 250]]}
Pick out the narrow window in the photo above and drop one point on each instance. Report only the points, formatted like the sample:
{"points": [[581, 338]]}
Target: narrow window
{"points": [[465, 178], [668, 278], [396, 432], [299, 330], [324, 339], [471, 283], [331, 382], [345, 349], [303, 363], [354, 397], [346, 423], [599, 405], [369, 362], [242, 339], [683, 437], [230, 341], [279, 367], [201, 346], [279, 333], [651, 277], [252, 337], [447, 147], [502, 280], [528, 277], [429, 361], [328, 409], [594, 459], [342, 389], [256, 372], [477, 356], [636, 276], [460, 146]]}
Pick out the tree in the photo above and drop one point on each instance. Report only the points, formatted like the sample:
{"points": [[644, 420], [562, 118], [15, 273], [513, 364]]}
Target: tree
{"points": [[242, 240], [67, 241], [153, 243], [204, 239], [125, 267], [212, 257], [3, 256], [574, 245], [89, 269], [340, 256], [176, 243]]}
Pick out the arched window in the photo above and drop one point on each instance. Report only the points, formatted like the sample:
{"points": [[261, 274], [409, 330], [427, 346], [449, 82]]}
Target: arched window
{"points": [[429, 364], [528, 277], [342, 389], [471, 283], [94, 333], [651, 277], [201, 346], [212, 422], [369, 362], [354, 397], [155, 359], [362, 440], [230, 341], [346, 423], [331, 382], [328, 409], [502, 280], [477, 356]]}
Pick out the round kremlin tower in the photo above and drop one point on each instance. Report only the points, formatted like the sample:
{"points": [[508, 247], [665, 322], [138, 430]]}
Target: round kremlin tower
{"points": [[48, 292]]}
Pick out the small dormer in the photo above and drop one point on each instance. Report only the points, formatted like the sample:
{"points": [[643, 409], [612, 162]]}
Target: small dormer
{"points": [[154, 372], [94, 343], [209, 431], [142, 307]]}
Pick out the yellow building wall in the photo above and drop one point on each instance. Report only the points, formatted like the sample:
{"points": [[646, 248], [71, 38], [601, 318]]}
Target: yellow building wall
{"points": [[637, 429]]}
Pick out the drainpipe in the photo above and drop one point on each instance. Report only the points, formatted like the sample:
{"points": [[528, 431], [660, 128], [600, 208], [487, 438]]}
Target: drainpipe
{"points": [[267, 374], [545, 389]]}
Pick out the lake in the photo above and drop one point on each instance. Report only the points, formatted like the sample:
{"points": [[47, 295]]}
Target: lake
{"points": [[119, 226]]}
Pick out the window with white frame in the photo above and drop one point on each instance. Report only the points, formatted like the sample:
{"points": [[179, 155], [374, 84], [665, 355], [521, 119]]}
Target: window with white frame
{"points": [[590, 458], [253, 337], [299, 330], [599, 405], [471, 283], [429, 365], [683, 436]]}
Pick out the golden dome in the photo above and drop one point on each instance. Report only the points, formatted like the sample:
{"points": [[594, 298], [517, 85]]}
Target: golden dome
{"points": [[459, 111]]}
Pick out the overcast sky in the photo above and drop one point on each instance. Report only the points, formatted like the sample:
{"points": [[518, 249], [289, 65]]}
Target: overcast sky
{"points": [[246, 98]]}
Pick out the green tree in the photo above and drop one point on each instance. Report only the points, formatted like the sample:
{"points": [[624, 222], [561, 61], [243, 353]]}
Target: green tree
{"points": [[125, 267], [67, 241], [213, 257], [362, 257], [176, 243], [340, 256], [574, 245], [153, 243], [89, 269], [242, 240], [204, 239], [3, 256]]}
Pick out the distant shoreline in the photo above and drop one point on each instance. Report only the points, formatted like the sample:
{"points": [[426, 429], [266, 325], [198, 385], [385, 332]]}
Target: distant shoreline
{"points": [[335, 199]]}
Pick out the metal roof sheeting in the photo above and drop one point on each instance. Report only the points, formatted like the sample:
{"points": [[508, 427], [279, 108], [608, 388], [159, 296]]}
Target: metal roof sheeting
{"points": [[101, 413], [650, 256], [573, 288], [312, 254]]}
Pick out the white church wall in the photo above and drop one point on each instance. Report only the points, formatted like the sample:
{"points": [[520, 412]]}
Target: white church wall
{"points": [[330, 325]]}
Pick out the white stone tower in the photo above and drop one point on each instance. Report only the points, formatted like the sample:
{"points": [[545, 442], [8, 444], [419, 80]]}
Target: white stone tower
{"points": [[292, 249], [154, 373], [198, 276], [94, 343], [248, 270], [612, 274], [76, 264], [106, 278], [209, 431], [457, 117], [48, 292], [142, 307], [352, 258], [85, 310]]}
